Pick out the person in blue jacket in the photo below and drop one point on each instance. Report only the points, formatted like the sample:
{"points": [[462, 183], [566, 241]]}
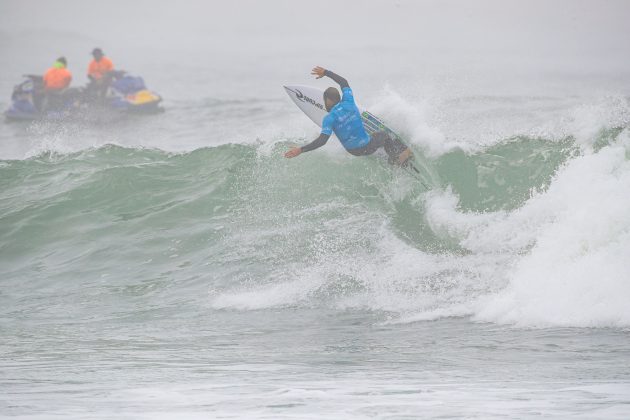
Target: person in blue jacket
{"points": [[344, 119]]}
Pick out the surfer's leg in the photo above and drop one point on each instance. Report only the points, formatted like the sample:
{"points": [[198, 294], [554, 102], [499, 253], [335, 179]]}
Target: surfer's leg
{"points": [[397, 151], [376, 142]]}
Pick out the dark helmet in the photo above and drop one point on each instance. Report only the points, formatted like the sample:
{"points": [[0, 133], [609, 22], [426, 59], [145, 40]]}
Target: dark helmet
{"points": [[97, 51], [333, 96], [63, 60]]}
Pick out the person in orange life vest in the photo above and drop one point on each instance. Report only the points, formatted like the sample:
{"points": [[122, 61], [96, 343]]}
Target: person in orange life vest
{"points": [[56, 80], [58, 77], [99, 72], [100, 66]]}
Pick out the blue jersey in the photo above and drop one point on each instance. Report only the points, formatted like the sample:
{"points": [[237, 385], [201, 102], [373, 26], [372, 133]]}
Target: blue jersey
{"points": [[345, 121]]}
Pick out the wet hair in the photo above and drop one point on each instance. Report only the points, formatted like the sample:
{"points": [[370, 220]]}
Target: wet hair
{"points": [[332, 94]]}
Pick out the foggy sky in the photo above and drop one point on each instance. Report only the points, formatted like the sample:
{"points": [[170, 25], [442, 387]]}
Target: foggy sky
{"points": [[569, 27], [242, 37]]}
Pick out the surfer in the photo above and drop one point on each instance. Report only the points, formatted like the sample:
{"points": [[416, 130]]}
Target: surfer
{"points": [[344, 119]]}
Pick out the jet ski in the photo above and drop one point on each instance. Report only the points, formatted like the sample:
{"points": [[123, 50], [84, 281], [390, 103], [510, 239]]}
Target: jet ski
{"points": [[123, 94], [129, 94]]}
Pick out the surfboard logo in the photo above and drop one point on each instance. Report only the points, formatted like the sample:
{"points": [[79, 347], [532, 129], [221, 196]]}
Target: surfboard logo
{"points": [[304, 98]]}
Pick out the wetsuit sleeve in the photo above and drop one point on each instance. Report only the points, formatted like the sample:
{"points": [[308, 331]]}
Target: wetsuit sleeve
{"points": [[317, 143], [327, 130], [340, 80]]}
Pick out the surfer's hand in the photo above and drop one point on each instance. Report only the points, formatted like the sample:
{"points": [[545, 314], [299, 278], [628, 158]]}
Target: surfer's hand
{"points": [[293, 152], [319, 72]]}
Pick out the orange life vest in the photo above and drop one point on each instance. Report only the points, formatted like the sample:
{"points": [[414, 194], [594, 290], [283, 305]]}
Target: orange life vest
{"points": [[57, 78], [97, 69]]}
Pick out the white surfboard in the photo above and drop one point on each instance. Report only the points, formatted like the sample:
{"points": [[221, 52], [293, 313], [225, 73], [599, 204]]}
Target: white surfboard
{"points": [[311, 101]]}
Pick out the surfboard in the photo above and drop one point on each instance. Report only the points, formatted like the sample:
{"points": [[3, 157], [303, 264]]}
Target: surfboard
{"points": [[311, 101]]}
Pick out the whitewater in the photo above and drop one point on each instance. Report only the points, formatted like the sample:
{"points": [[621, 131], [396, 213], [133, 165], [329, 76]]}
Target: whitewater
{"points": [[178, 266]]}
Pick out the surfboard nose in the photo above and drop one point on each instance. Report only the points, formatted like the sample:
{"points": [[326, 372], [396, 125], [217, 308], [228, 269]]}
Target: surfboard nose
{"points": [[289, 90], [309, 99]]}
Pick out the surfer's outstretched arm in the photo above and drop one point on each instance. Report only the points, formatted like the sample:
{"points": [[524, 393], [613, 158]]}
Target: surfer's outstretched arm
{"points": [[321, 72], [315, 144]]}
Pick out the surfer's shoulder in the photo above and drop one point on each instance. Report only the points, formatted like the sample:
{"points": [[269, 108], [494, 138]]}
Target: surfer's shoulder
{"points": [[347, 94]]}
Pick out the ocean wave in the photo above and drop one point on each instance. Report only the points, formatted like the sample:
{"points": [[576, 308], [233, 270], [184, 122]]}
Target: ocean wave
{"points": [[529, 232]]}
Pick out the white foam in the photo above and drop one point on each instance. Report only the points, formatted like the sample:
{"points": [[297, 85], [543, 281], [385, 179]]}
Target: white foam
{"points": [[411, 120], [439, 123], [578, 271], [279, 294], [585, 121]]}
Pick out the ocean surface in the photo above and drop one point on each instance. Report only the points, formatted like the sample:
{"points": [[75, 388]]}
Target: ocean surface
{"points": [[177, 266]]}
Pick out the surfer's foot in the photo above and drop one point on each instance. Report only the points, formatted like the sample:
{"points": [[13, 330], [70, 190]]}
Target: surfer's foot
{"points": [[404, 157]]}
